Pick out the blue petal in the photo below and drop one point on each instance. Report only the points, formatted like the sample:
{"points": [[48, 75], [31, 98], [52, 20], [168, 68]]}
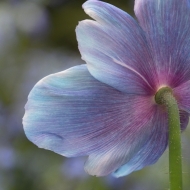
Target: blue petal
{"points": [[63, 108], [115, 49], [141, 148], [182, 94], [152, 150], [184, 119], [167, 28], [73, 114]]}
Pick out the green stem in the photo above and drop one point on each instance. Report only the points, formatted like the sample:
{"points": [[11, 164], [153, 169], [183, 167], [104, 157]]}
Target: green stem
{"points": [[165, 97]]}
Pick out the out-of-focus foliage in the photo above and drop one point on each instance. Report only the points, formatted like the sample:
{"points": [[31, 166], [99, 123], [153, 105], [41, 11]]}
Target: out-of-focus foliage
{"points": [[37, 38]]}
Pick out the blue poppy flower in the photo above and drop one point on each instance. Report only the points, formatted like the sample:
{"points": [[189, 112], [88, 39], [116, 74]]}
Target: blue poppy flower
{"points": [[105, 109]]}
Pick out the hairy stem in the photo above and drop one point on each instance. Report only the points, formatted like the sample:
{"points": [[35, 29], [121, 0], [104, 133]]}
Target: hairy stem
{"points": [[165, 97]]}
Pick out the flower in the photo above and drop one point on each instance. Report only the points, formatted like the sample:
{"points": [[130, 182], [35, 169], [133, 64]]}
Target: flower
{"points": [[105, 108]]}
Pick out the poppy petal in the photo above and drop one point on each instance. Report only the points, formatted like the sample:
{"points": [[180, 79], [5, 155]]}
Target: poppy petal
{"points": [[141, 148], [153, 148], [74, 114], [182, 94], [166, 24], [115, 49]]}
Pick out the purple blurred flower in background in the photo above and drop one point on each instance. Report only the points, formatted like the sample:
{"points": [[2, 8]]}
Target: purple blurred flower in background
{"points": [[7, 157], [31, 19], [105, 109], [8, 37], [73, 168]]}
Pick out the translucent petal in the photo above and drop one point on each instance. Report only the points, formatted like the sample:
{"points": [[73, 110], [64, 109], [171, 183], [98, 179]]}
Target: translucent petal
{"points": [[153, 149], [182, 94], [184, 119], [142, 147], [115, 49], [167, 28], [73, 114]]}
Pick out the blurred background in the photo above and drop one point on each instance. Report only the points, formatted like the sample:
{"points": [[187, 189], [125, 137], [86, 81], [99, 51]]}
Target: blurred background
{"points": [[37, 38]]}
